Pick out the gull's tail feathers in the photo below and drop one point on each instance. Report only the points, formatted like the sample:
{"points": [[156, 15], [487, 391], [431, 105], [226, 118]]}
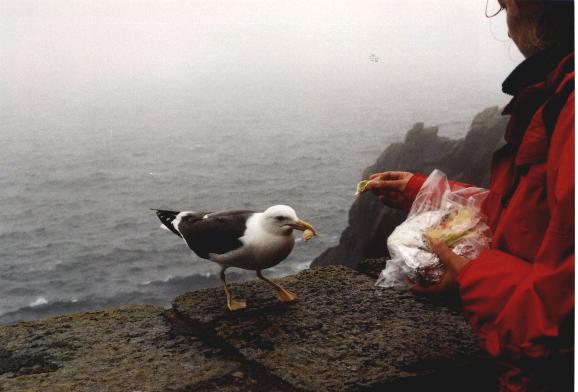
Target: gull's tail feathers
{"points": [[167, 217]]}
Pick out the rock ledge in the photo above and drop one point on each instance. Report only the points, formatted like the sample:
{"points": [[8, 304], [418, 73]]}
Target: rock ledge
{"points": [[342, 334]]}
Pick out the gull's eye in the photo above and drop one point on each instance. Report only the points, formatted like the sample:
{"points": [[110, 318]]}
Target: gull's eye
{"points": [[279, 218]]}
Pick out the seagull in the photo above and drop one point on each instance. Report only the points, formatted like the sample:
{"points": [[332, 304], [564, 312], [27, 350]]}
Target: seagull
{"points": [[244, 239]]}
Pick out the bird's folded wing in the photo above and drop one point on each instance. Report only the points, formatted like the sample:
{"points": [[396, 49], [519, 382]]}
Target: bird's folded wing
{"points": [[217, 233]]}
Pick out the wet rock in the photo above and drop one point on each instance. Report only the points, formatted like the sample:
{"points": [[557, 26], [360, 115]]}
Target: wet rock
{"points": [[372, 267], [467, 160], [342, 334], [125, 349]]}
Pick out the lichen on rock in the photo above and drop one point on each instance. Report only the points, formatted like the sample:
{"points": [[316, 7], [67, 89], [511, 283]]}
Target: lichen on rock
{"points": [[124, 349]]}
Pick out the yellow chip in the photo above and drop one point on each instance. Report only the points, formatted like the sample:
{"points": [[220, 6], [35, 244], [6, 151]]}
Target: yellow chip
{"points": [[308, 234], [361, 186]]}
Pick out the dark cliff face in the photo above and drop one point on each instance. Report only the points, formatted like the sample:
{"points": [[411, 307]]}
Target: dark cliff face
{"points": [[467, 160]]}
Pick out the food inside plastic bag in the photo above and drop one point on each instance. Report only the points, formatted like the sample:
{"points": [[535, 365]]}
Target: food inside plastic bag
{"points": [[438, 212], [453, 226]]}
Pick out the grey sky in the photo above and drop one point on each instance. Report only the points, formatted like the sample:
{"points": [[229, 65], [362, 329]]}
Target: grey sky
{"points": [[84, 50]]}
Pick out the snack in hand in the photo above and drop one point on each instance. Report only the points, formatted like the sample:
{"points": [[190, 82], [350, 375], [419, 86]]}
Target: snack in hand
{"points": [[361, 187]]}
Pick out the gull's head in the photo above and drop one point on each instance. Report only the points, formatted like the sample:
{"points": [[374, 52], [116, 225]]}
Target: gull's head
{"points": [[283, 219]]}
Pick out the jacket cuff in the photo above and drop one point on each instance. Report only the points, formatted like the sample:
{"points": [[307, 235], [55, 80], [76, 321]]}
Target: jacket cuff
{"points": [[411, 189], [464, 271]]}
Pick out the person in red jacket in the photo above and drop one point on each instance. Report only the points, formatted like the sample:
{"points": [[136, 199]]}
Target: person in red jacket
{"points": [[519, 295]]}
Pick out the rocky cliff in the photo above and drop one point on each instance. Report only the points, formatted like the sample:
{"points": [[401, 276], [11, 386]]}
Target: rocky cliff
{"points": [[467, 160]]}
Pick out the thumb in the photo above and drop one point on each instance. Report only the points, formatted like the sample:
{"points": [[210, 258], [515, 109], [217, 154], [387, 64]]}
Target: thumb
{"points": [[448, 258]]}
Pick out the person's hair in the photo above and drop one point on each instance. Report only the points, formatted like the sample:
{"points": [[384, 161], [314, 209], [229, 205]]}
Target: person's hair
{"points": [[551, 22]]}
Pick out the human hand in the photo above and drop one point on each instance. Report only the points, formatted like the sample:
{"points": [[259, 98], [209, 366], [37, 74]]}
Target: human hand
{"points": [[389, 186], [453, 264]]}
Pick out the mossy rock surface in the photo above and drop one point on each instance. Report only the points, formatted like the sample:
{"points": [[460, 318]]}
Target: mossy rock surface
{"points": [[342, 334], [124, 349]]}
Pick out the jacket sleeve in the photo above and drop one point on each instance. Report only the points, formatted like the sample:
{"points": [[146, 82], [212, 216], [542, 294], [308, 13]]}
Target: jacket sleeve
{"points": [[411, 189], [517, 308], [514, 307]]}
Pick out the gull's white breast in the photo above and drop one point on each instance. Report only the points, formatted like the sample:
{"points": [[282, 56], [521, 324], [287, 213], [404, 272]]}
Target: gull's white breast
{"points": [[260, 249]]}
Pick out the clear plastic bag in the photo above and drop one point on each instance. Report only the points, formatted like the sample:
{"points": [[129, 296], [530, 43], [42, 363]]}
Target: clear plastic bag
{"points": [[451, 215]]}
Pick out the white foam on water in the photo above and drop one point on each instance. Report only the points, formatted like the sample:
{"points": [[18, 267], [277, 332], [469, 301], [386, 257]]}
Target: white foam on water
{"points": [[38, 301]]}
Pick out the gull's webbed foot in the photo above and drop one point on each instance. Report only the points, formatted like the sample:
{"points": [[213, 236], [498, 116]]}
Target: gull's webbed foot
{"points": [[283, 294], [236, 304], [286, 295]]}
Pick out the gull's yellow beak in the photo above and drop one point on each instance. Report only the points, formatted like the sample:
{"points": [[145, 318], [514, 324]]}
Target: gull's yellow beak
{"points": [[302, 225]]}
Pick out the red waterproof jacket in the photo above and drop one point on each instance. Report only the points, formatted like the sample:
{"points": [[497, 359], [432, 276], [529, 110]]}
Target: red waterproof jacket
{"points": [[519, 295]]}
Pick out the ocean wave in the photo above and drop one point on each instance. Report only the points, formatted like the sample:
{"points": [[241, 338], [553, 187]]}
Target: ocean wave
{"points": [[197, 281], [159, 292], [15, 236], [125, 224], [38, 301], [46, 266], [170, 278], [39, 309], [122, 255]]}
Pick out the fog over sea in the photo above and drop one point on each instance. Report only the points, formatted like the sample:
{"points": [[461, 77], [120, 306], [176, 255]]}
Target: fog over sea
{"points": [[110, 108]]}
